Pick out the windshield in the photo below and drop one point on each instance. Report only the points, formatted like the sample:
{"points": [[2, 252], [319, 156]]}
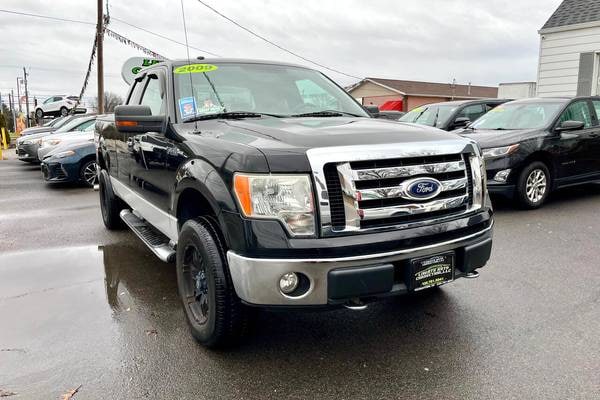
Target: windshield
{"points": [[435, 115], [73, 124], [519, 116], [277, 90]]}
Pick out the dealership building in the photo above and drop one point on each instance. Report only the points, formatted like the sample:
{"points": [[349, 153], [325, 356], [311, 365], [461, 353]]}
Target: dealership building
{"points": [[407, 95]]}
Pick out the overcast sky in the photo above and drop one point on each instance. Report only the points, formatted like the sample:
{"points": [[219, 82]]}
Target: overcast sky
{"points": [[483, 42]]}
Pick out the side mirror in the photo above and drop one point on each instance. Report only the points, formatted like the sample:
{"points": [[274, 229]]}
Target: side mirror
{"points": [[567, 126], [138, 119], [373, 110], [461, 122]]}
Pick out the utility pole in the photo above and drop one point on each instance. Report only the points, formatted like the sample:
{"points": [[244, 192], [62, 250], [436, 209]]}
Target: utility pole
{"points": [[11, 97], [18, 94], [100, 65], [26, 97]]}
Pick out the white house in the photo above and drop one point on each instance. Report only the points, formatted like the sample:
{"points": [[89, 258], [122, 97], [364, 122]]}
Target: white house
{"points": [[569, 62]]}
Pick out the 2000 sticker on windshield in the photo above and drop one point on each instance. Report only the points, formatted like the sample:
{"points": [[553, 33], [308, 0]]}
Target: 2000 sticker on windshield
{"points": [[194, 68]]}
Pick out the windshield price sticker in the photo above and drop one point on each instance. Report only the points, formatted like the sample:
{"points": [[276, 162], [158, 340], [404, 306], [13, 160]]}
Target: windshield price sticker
{"points": [[195, 69]]}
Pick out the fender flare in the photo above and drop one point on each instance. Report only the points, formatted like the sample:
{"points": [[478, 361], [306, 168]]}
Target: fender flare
{"points": [[199, 175]]}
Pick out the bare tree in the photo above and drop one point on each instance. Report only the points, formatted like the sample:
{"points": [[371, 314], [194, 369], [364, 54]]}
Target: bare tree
{"points": [[111, 100]]}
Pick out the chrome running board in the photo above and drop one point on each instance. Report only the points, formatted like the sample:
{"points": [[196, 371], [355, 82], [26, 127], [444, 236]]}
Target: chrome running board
{"points": [[157, 242]]}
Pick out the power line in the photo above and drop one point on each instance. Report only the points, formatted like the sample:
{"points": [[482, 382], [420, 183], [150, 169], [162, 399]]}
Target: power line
{"points": [[112, 18], [46, 17], [273, 43], [162, 36]]}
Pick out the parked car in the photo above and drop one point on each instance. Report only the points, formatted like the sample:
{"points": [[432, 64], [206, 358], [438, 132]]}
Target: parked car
{"points": [[71, 162], [84, 131], [27, 147], [270, 186], [533, 146], [56, 105], [451, 115], [49, 126]]}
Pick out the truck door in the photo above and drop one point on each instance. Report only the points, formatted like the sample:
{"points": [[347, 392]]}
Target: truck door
{"points": [[147, 154], [577, 155]]}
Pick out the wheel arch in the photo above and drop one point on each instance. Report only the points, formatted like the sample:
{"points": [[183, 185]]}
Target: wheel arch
{"points": [[200, 191], [544, 157]]}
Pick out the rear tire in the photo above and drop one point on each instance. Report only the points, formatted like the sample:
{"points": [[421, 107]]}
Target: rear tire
{"points": [[110, 205], [39, 114], [214, 313], [533, 185], [64, 111]]}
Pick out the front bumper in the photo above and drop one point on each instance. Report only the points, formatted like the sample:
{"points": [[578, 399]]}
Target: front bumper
{"points": [[27, 152], [56, 172], [507, 190], [336, 280]]}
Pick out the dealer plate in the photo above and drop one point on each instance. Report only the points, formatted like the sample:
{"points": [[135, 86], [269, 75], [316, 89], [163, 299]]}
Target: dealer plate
{"points": [[432, 271]]}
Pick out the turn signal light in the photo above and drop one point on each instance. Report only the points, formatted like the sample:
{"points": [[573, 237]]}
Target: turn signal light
{"points": [[126, 123]]}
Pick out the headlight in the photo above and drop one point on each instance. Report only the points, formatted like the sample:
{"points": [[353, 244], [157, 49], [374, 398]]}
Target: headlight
{"points": [[500, 151], [52, 142], [287, 198], [33, 141], [64, 154]]}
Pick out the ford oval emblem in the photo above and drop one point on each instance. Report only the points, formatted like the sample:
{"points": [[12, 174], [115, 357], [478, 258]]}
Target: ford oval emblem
{"points": [[422, 188]]}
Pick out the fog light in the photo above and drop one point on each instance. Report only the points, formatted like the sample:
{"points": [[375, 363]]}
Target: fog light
{"points": [[502, 176], [288, 282]]}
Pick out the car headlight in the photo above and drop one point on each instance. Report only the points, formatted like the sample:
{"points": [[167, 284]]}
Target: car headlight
{"points": [[52, 142], [287, 198], [64, 154], [33, 141], [499, 151]]}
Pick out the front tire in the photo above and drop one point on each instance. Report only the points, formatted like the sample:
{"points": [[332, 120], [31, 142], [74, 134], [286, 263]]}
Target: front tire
{"points": [[64, 111], [39, 114], [110, 205], [88, 173], [215, 314], [533, 185]]}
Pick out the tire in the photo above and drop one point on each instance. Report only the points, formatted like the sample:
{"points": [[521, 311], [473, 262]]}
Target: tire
{"points": [[110, 205], [39, 113], [214, 313], [64, 111], [533, 185], [88, 173]]}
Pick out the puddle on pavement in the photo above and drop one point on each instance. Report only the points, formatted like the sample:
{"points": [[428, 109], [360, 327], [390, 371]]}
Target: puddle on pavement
{"points": [[74, 315]]}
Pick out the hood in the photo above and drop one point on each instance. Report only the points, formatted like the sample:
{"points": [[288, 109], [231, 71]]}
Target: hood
{"points": [[305, 133], [74, 135], [38, 129], [34, 136], [487, 138], [83, 148], [284, 141]]}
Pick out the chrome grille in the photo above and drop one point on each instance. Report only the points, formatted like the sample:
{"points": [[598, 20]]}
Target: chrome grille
{"points": [[371, 191]]}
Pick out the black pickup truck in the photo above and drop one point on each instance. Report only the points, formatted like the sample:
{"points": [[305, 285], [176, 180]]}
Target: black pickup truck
{"points": [[269, 186]]}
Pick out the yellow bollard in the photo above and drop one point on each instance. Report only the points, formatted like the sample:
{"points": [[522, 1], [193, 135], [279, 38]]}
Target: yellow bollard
{"points": [[4, 139]]}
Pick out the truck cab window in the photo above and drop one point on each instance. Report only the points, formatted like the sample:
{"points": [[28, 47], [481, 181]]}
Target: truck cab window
{"points": [[153, 96]]}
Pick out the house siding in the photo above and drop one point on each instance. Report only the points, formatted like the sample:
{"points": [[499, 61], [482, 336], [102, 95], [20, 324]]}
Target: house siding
{"points": [[558, 72]]}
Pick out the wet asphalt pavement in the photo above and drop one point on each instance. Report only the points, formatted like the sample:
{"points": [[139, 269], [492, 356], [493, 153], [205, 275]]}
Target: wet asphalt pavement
{"points": [[84, 307]]}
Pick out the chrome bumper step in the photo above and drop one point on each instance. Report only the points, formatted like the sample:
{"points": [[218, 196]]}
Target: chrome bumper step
{"points": [[157, 242]]}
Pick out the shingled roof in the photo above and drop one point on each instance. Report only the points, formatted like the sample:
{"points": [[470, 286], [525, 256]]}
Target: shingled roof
{"points": [[416, 88], [572, 12]]}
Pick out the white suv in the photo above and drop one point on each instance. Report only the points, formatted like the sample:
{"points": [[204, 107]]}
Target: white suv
{"points": [[55, 105]]}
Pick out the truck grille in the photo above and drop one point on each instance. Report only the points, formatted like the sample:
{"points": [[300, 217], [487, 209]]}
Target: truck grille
{"points": [[369, 194]]}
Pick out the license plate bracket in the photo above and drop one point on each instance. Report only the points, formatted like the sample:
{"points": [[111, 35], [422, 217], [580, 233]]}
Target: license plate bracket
{"points": [[430, 271]]}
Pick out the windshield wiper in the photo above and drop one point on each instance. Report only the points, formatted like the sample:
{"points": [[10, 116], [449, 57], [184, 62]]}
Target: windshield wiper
{"points": [[230, 115], [324, 113]]}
